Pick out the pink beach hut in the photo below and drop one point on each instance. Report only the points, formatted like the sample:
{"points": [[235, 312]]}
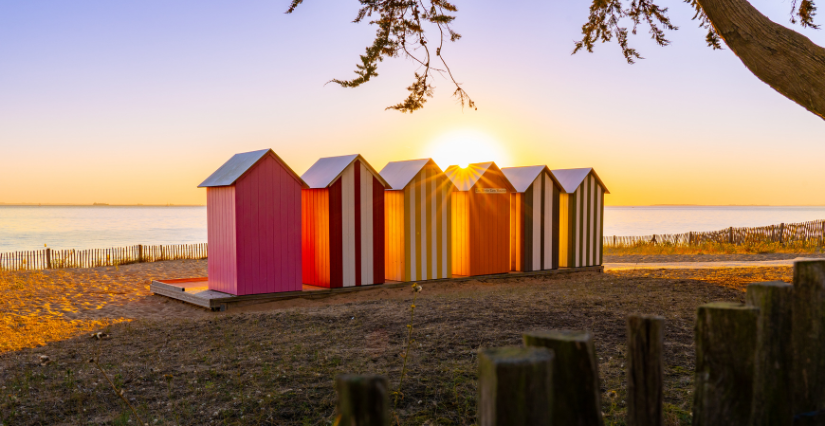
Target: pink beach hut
{"points": [[253, 209], [343, 223]]}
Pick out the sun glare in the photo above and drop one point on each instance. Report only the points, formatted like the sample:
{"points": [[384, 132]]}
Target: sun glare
{"points": [[462, 147]]}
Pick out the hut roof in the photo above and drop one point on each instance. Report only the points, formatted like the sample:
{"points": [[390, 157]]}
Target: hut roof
{"points": [[523, 177], [399, 173], [570, 179], [326, 170], [239, 164], [465, 178]]}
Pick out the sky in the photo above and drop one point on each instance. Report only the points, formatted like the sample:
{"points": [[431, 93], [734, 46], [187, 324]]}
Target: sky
{"points": [[138, 102]]}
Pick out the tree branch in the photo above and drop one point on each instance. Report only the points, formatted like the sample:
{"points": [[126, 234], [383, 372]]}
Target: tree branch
{"points": [[787, 61]]}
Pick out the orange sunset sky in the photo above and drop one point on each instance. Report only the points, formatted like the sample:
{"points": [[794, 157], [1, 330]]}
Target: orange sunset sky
{"points": [[127, 103]]}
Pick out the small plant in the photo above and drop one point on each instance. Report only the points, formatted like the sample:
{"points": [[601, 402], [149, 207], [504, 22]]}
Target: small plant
{"points": [[398, 394]]}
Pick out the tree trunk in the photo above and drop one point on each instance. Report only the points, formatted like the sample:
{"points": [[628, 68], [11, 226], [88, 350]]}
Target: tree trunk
{"points": [[787, 61]]}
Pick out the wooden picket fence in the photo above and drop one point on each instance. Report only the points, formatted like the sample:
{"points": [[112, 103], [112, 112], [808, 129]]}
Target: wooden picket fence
{"points": [[757, 364], [811, 233], [55, 259]]}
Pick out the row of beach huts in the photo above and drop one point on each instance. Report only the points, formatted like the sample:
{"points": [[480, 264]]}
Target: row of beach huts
{"points": [[343, 224]]}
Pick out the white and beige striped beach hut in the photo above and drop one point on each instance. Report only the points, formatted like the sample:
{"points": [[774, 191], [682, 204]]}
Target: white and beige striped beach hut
{"points": [[581, 218], [534, 218], [417, 227]]}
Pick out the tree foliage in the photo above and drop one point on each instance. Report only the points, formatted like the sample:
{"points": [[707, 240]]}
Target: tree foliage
{"points": [[409, 29], [404, 28]]}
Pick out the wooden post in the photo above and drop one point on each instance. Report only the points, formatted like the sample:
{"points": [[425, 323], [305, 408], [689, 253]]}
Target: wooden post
{"points": [[48, 258], [725, 344], [782, 233], [576, 392], [515, 386], [809, 338], [772, 388], [822, 236], [645, 375], [363, 400], [730, 235]]}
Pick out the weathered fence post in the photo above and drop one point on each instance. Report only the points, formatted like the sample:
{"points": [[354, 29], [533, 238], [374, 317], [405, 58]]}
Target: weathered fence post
{"points": [[822, 236], [645, 376], [576, 392], [782, 233], [140, 253], [515, 387], [809, 339], [773, 372], [363, 400], [730, 235], [725, 344], [48, 258]]}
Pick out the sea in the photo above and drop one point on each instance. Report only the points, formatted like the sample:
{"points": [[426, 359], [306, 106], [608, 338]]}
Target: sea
{"points": [[84, 227]]}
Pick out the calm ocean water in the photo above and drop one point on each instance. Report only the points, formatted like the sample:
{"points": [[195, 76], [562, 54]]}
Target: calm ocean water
{"points": [[29, 228]]}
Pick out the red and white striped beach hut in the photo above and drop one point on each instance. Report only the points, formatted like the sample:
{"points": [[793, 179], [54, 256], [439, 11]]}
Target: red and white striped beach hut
{"points": [[343, 223], [253, 209]]}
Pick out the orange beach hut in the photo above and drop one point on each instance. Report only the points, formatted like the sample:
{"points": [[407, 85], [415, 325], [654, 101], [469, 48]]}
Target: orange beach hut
{"points": [[342, 227], [480, 219], [534, 218], [253, 214], [417, 221]]}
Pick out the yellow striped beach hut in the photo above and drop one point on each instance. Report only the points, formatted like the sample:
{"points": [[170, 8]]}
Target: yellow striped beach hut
{"points": [[581, 217], [418, 221], [534, 218]]}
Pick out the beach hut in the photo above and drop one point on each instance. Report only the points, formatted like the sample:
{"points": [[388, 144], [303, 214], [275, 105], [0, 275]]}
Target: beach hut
{"points": [[342, 230], [534, 218], [581, 218], [480, 219], [417, 228], [253, 214]]}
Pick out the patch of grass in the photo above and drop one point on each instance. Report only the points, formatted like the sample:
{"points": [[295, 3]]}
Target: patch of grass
{"points": [[710, 248]]}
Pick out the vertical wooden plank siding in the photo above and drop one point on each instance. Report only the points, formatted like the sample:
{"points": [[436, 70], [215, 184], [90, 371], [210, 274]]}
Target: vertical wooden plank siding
{"points": [[584, 243], [315, 237], [222, 265], [420, 232], [564, 231], [535, 222], [267, 198], [347, 233], [395, 239], [489, 217], [378, 232], [460, 219], [348, 252]]}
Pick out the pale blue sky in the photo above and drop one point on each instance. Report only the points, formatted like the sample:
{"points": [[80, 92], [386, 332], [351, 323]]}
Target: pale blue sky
{"points": [[137, 102]]}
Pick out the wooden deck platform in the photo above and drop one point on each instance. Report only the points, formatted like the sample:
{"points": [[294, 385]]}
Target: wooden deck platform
{"points": [[195, 291]]}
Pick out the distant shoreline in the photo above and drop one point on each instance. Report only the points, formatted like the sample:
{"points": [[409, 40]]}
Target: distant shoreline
{"points": [[97, 205]]}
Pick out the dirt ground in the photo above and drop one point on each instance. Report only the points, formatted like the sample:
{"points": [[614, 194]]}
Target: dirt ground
{"points": [[275, 363]]}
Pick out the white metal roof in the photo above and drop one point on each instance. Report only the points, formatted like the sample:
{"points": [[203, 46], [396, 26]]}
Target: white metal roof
{"points": [[570, 179], [326, 170], [522, 177], [399, 173], [238, 165]]}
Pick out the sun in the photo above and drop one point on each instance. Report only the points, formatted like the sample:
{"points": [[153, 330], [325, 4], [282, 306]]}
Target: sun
{"points": [[462, 147]]}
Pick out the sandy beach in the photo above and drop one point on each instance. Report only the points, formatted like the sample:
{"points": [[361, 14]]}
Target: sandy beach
{"points": [[44, 306]]}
